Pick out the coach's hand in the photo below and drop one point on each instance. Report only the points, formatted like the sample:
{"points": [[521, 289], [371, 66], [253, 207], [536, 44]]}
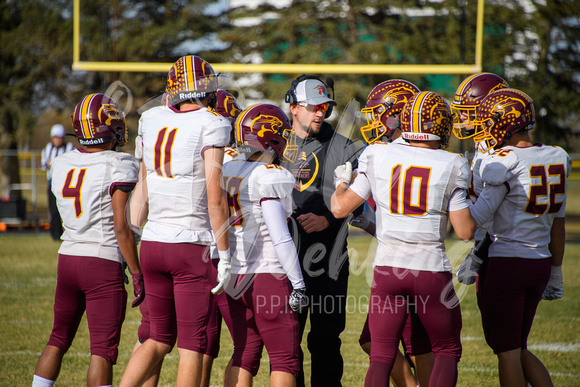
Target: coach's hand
{"points": [[312, 223], [555, 288], [138, 289], [224, 271], [467, 271]]}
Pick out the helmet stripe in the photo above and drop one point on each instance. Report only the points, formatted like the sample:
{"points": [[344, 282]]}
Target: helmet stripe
{"points": [[189, 70], [465, 84], [85, 116], [416, 110]]}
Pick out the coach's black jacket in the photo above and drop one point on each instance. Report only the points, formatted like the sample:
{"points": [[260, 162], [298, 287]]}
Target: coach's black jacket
{"points": [[313, 169]]}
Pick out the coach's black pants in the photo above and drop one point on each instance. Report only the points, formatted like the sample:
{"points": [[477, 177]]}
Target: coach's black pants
{"points": [[327, 321], [55, 220]]}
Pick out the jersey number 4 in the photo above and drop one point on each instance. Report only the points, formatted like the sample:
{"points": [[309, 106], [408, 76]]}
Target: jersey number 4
{"points": [[545, 189], [74, 192]]}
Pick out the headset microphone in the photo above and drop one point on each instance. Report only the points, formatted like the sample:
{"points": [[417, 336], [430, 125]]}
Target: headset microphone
{"points": [[330, 85]]}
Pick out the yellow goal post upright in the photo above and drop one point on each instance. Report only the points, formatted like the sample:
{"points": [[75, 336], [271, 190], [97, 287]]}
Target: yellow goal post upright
{"points": [[286, 68]]}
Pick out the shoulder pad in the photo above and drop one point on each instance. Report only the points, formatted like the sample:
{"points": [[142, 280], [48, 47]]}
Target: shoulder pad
{"points": [[497, 168]]}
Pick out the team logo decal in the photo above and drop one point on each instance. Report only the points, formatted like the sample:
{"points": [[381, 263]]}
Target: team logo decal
{"points": [[507, 108], [321, 89], [305, 171], [111, 111], [265, 123], [230, 106]]}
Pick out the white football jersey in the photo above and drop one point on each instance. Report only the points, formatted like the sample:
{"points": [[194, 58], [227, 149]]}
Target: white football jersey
{"points": [[229, 155], [247, 185], [477, 186], [83, 184], [412, 187], [233, 154], [173, 146], [536, 178]]}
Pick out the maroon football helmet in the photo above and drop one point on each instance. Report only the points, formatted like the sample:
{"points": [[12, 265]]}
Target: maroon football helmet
{"points": [[259, 128], [426, 117], [227, 106], [98, 119], [468, 96], [500, 115], [190, 78], [384, 104]]}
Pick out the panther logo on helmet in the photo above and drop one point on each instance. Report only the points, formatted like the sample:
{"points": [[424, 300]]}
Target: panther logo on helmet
{"points": [[190, 77], [426, 117], [227, 105], [98, 119], [500, 115], [384, 104], [468, 96], [266, 123], [260, 128]]}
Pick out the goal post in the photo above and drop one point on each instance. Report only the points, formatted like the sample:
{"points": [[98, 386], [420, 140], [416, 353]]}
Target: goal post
{"points": [[286, 68]]}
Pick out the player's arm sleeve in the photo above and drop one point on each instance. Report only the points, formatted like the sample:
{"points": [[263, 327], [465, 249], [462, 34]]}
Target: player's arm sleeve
{"points": [[125, 173], [361, 186], [139, 147], [275, 218], [488, 203], [216, 133], [458, 200]]}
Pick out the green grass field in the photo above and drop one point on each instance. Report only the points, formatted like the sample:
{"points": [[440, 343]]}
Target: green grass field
{"points": [[28, 280]]}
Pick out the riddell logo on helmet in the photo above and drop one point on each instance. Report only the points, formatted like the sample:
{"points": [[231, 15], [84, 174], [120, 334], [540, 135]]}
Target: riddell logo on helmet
{"points": [[92, 141], [417, 136], [192, 94]]}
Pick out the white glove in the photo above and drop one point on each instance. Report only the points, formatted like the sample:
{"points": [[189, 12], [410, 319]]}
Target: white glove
{"points": [[224, 274], [469, 267], [298, 300], [555, 287], [343, 174]]}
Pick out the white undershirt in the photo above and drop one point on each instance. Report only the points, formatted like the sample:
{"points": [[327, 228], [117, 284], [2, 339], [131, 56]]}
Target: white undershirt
{"points": [[275, 218]]}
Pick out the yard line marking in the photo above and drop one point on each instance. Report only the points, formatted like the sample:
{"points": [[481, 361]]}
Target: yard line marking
{"points": [[555, 347]]}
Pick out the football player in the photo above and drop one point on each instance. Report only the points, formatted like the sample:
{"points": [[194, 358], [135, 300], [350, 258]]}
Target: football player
{"points": [[267, 287], [525, 194], [468, 96], [384, 105], [182, 150], [92, 188], [228, 107], [418, 188]]}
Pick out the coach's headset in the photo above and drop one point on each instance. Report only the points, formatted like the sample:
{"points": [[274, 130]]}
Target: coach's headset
{"points": [[290, 96]]}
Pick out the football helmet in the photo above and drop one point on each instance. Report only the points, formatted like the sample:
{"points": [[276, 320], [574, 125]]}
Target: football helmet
{"points": [[259, 128], [190, 78], [98, 119], [426, 117], [500, 115], [227, 105], [468, 96], [384, 104]]}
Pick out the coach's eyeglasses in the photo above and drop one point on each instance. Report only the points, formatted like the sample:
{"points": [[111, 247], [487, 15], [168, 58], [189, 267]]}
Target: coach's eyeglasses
{"points": [[314, 108]]}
